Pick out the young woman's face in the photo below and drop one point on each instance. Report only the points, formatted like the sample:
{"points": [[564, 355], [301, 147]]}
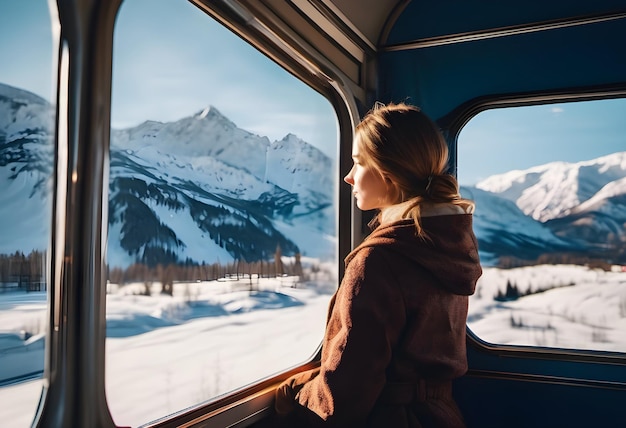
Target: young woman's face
{"points": [[368, 186]]}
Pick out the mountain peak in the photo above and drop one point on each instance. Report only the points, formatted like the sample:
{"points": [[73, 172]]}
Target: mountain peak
{"points": [[293, 140], [552, 190], [210, 113]]}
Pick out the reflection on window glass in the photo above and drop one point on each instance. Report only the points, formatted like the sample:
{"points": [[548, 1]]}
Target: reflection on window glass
{"points": [[222, 242], [26, 164], [549, 183]]}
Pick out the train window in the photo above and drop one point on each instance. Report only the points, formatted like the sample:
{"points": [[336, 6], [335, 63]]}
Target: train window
{"points": [[549, 183], [26, 165], [222, 204]]}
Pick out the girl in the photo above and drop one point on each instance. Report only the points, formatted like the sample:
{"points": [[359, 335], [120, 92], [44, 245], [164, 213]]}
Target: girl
{"points": [[395, 334]]}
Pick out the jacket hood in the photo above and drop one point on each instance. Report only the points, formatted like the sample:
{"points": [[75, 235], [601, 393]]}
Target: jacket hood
{"points": [[449, 251]]}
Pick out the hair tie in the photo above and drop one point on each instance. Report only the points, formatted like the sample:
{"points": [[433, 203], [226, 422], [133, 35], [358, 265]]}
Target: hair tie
{"points": [[430, 180], [378, 105]]}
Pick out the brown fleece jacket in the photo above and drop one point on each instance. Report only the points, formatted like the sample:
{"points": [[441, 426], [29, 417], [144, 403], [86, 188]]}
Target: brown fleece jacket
{"points": [[398, 316]]}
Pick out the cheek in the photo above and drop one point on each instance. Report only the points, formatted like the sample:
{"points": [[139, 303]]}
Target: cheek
{"points": [[364, 180], [373, 184]]}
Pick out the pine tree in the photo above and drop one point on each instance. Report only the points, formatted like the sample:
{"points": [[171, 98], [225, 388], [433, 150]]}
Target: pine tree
{"points": [[278, 262]]}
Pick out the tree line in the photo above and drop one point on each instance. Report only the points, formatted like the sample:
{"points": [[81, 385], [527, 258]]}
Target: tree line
{"points": [[29, 271], [167, 275], [23, 271], [510, 262]]}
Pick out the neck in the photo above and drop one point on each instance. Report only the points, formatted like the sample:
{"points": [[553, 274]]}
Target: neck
{"points": [[401, 211], [394, 213]]}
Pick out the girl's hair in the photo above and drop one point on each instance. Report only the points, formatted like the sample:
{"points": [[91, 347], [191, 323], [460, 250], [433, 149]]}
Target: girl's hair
{"points": [[408, 150]]}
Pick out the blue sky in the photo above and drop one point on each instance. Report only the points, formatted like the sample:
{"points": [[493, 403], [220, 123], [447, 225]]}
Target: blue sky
{"points": [[522, 137], [175, 61], [26, 46], [171, 61]]}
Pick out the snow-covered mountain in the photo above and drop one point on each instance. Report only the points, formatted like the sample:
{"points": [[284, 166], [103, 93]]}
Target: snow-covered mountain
{"points": [[203, 190], [553, 190], [583, 203], [26, 153], [195, 190]]}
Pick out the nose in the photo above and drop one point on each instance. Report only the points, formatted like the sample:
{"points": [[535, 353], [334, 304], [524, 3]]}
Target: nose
{"points": [[348, 178]]}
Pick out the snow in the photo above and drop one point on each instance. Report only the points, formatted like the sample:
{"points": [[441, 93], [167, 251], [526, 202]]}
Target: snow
{"points": [[207, 133], [227, 342], [197, 243], [599, 203], [552, 190], [168, 353], [495, 215], [26, 215], [581, 308], [163, 353]]}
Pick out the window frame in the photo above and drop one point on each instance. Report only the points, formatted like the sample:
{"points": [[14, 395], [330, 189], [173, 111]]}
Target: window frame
{"points": [[452, 125]]}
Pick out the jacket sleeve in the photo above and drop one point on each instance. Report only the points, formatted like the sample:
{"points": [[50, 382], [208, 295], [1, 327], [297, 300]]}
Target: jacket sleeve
{"points": [[363, 328]]}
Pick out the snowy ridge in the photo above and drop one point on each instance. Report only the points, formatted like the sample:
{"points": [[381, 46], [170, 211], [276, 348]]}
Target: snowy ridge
{"points": [[601, 201], [207, 133], [26, 132], [552, 190], [583, 203]]}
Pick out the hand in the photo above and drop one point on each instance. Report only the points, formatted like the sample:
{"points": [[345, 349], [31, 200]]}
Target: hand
{"points": [[287, 391]]}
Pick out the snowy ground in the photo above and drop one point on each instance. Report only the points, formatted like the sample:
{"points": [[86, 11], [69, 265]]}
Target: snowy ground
{"points": [[167, 353], [581, 308]]}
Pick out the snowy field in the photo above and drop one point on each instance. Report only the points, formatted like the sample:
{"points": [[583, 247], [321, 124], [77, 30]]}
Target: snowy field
{"points": [[580, 308], [167, 353]]}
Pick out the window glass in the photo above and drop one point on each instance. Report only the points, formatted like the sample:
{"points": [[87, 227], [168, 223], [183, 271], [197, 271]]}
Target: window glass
{"points": [[26, 165], [222, 242], [549, 183]]}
